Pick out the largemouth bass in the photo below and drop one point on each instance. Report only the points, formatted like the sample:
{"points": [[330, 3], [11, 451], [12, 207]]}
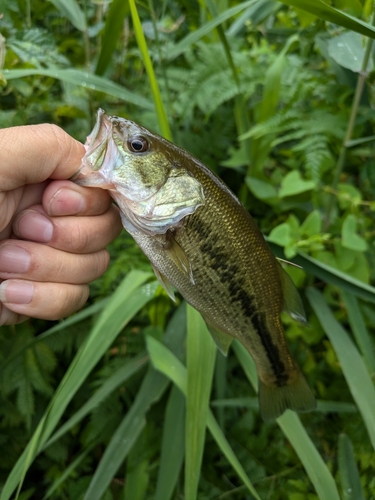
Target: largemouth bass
{"points": [[201, 241]]}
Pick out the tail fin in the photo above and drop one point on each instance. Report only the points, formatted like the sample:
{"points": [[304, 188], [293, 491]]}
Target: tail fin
{"points": [[274, 400]]}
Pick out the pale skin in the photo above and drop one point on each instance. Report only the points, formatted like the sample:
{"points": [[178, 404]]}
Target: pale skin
{"points": [[53, 233]]}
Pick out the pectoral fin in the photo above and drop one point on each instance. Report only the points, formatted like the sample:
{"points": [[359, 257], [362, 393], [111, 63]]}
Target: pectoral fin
{"points": [[222, 340], [292, 300], [164, 283], [176, 253]]}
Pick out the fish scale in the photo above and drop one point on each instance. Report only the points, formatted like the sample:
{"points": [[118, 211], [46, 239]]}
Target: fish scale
{"points": [[202, 241]]}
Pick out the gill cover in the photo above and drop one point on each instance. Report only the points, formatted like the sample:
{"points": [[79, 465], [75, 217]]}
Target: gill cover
{"points": [[152, 193]]}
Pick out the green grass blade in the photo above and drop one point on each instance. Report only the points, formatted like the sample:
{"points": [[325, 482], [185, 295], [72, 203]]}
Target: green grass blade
{"points": [[85, 79], [66, 323], [125, 302], [328, 274], [118, 10], [255, 14], [360, 331], [349, 475], [137, 469], [71, 467], [166, 362], [201, 353], [159, 106], [293, 429], [352, 364], [153, 386], [324, 11], [72, 11], [173, 445], [206, 28], [118, 378], [322, 406]]}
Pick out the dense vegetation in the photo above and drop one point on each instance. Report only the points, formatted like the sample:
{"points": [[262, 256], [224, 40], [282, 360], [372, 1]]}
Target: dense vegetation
{"points": [[280, 103]]}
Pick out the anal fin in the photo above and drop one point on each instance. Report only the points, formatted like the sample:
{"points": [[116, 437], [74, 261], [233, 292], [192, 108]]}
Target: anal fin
{"points": [[221, 339]]}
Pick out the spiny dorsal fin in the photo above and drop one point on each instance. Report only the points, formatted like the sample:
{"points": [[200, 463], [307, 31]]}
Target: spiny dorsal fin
{"points": [[292, 300]]}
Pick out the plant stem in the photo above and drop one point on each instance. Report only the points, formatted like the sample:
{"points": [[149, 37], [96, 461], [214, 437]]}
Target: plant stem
{"points": [[349, 131]]}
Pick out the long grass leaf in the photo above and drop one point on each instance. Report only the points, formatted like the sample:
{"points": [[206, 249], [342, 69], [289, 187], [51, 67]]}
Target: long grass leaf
{"points": [[141, 40], [68, 471], [328, 274], [153, 386], [256, 14], [118, 10], [115, 380], [349, 475], [293, 429], [352, 364], [206, 28], [201, 353], [66, 323], [72, 11], [322, 406], [360, 331], [126, 301], [166, 362], [172, 447], [85, 79], [324, 11]]}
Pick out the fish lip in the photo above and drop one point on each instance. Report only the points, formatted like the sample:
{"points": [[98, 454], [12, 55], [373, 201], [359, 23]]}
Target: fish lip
{"points": [[96, 138]]}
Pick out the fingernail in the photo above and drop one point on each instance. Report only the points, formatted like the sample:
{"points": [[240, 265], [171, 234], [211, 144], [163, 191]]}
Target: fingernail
{"points": [[14, 259], [34, 226], [16, 292], [66, 202]]}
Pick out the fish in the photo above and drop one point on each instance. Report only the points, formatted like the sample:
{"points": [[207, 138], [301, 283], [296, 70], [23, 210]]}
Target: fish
{"points": [[202, 242]]}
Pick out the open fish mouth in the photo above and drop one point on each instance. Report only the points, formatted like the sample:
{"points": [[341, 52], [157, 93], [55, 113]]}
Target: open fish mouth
{"points": [[97, 147]]}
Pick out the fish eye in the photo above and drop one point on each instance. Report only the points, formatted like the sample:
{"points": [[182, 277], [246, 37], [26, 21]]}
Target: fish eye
{"points": [[138, 144]]}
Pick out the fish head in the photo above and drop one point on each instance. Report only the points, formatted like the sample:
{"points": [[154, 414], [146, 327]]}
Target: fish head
{"points": [[143, 173]]}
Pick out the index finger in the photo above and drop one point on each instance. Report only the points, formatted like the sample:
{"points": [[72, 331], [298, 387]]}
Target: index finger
{"points": [[34, 153]]}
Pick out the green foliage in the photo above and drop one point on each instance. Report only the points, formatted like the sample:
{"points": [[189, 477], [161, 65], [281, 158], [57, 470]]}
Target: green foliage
{"points": [[103, 404]]}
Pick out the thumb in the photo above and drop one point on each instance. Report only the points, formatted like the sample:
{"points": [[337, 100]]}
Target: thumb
{"points": [[34, 153]]}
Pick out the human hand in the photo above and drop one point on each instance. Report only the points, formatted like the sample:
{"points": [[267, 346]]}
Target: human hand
{"points": [[53, 232]]}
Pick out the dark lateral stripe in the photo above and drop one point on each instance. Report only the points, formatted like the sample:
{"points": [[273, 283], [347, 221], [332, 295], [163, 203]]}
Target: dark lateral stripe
{"points": [[219, 259], [272, 352]]}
